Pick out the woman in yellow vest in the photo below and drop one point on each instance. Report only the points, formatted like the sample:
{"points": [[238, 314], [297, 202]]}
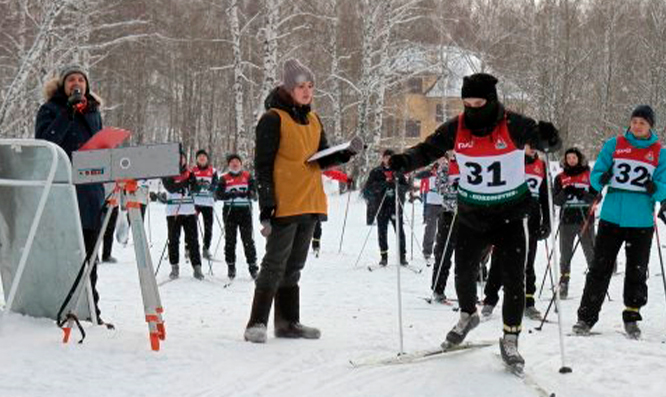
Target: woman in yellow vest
{"points": [[291, 200]]}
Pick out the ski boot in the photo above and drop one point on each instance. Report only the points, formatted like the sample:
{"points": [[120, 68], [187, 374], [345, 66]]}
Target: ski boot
{"points": [[254, 270], [438, 297], [109, 259], [510, 355], [174, 272], [403, 261], [458, 333], [256, 333], [632, 330], [564, 288], [231, 270], [206, 254], [581, 328], [487, 312], [197, 272], [384, 260], [533, 313], [315, 251]]}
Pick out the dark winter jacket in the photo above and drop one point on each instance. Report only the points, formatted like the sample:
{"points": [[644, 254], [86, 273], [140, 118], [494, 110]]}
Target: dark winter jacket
{"points": [[539, 207], [521, 129], [379, 190], [58, 123], [573, 215], [268, 136]]}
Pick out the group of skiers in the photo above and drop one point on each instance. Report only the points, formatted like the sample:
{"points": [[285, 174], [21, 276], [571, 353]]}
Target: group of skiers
{"points": [[194, 192], [486, 194]]}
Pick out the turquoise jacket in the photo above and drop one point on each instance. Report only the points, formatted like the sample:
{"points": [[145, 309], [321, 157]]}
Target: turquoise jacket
{"points": [[625, 208]]}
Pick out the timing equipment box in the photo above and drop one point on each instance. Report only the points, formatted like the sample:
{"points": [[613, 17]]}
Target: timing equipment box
{"points": [[134, 162]]}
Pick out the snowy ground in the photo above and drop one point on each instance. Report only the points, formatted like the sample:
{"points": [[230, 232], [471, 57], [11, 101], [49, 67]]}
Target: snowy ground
{"points": [[205, 355]]}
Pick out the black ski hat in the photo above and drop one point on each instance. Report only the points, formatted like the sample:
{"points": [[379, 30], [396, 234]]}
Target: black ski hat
{"points": [[234, 156], [202, 151], [388, 152], [645, 112], [479, 85]]}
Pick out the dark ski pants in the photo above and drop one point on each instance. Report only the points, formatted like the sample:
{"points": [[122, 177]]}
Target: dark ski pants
{"points": [[189, 225], [494, 281], [207, 215], [569, 233], [431, 215], [509, 254], [443, 259], [239, 218], [108, 233], [316, 237], [385, 216], [89, 239], [638, 241], [286, 252]]}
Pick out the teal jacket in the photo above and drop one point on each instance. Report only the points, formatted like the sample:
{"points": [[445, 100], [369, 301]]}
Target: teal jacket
{"points": [[625, 208]]}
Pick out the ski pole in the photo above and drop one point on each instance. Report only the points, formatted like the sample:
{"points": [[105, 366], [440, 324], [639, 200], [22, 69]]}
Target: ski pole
{"points": [[399, 265], [210, 263], [446, 246], [411, 255], [549, 256], [370, 230], [344, 223], [661, 259], [556, 295]]}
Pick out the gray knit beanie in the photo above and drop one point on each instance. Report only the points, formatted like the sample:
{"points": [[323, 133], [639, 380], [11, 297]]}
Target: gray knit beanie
{"points": [[71, 69], [295, 73]]}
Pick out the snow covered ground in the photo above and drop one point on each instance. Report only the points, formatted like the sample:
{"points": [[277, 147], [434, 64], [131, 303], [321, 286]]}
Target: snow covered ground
{"points": [[205, 355]]}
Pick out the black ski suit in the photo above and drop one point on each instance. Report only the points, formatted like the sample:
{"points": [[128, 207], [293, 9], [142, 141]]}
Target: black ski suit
{"points": [[502, 225], [379, 192], [538, 226]]}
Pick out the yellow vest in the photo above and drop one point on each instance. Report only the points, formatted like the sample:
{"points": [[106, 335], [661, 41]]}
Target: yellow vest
{"points": [[298, 185]]}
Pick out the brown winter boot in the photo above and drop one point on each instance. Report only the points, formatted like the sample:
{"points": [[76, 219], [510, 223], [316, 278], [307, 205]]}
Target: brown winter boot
{"points": [[287, 312], [255, 331]]}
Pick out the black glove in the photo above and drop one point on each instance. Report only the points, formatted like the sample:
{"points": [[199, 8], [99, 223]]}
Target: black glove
{"points": [[344, 156], [398, 162], [266, 214], [544, 231], [192, 182], [650, 186], [549, 137], [570, 190], [606, 177], [75, 98]]}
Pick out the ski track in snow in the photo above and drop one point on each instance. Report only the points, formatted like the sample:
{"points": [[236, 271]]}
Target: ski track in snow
{"points": [[205, 355]]}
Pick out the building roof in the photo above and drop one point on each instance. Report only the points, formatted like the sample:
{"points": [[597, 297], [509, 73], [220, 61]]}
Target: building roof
{"points": [[450, 64]]}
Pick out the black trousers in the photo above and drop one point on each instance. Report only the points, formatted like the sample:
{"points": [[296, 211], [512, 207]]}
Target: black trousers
{"points": [[316, 237], [385, 216], [286, 253], [638, 241], [494, 281], [90, 238], [509, 254], [108, 233], [188, 223], [207, 214], [239, 219], [445, 222], [568, 234]]}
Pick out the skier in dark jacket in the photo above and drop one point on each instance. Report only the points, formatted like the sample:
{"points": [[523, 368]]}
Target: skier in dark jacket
{"points": [[181, 215], [538, 227], [573, 192], [379, 193], [493, 199], [237, 189], [291, 200], [204, 196], [69, 118]]}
